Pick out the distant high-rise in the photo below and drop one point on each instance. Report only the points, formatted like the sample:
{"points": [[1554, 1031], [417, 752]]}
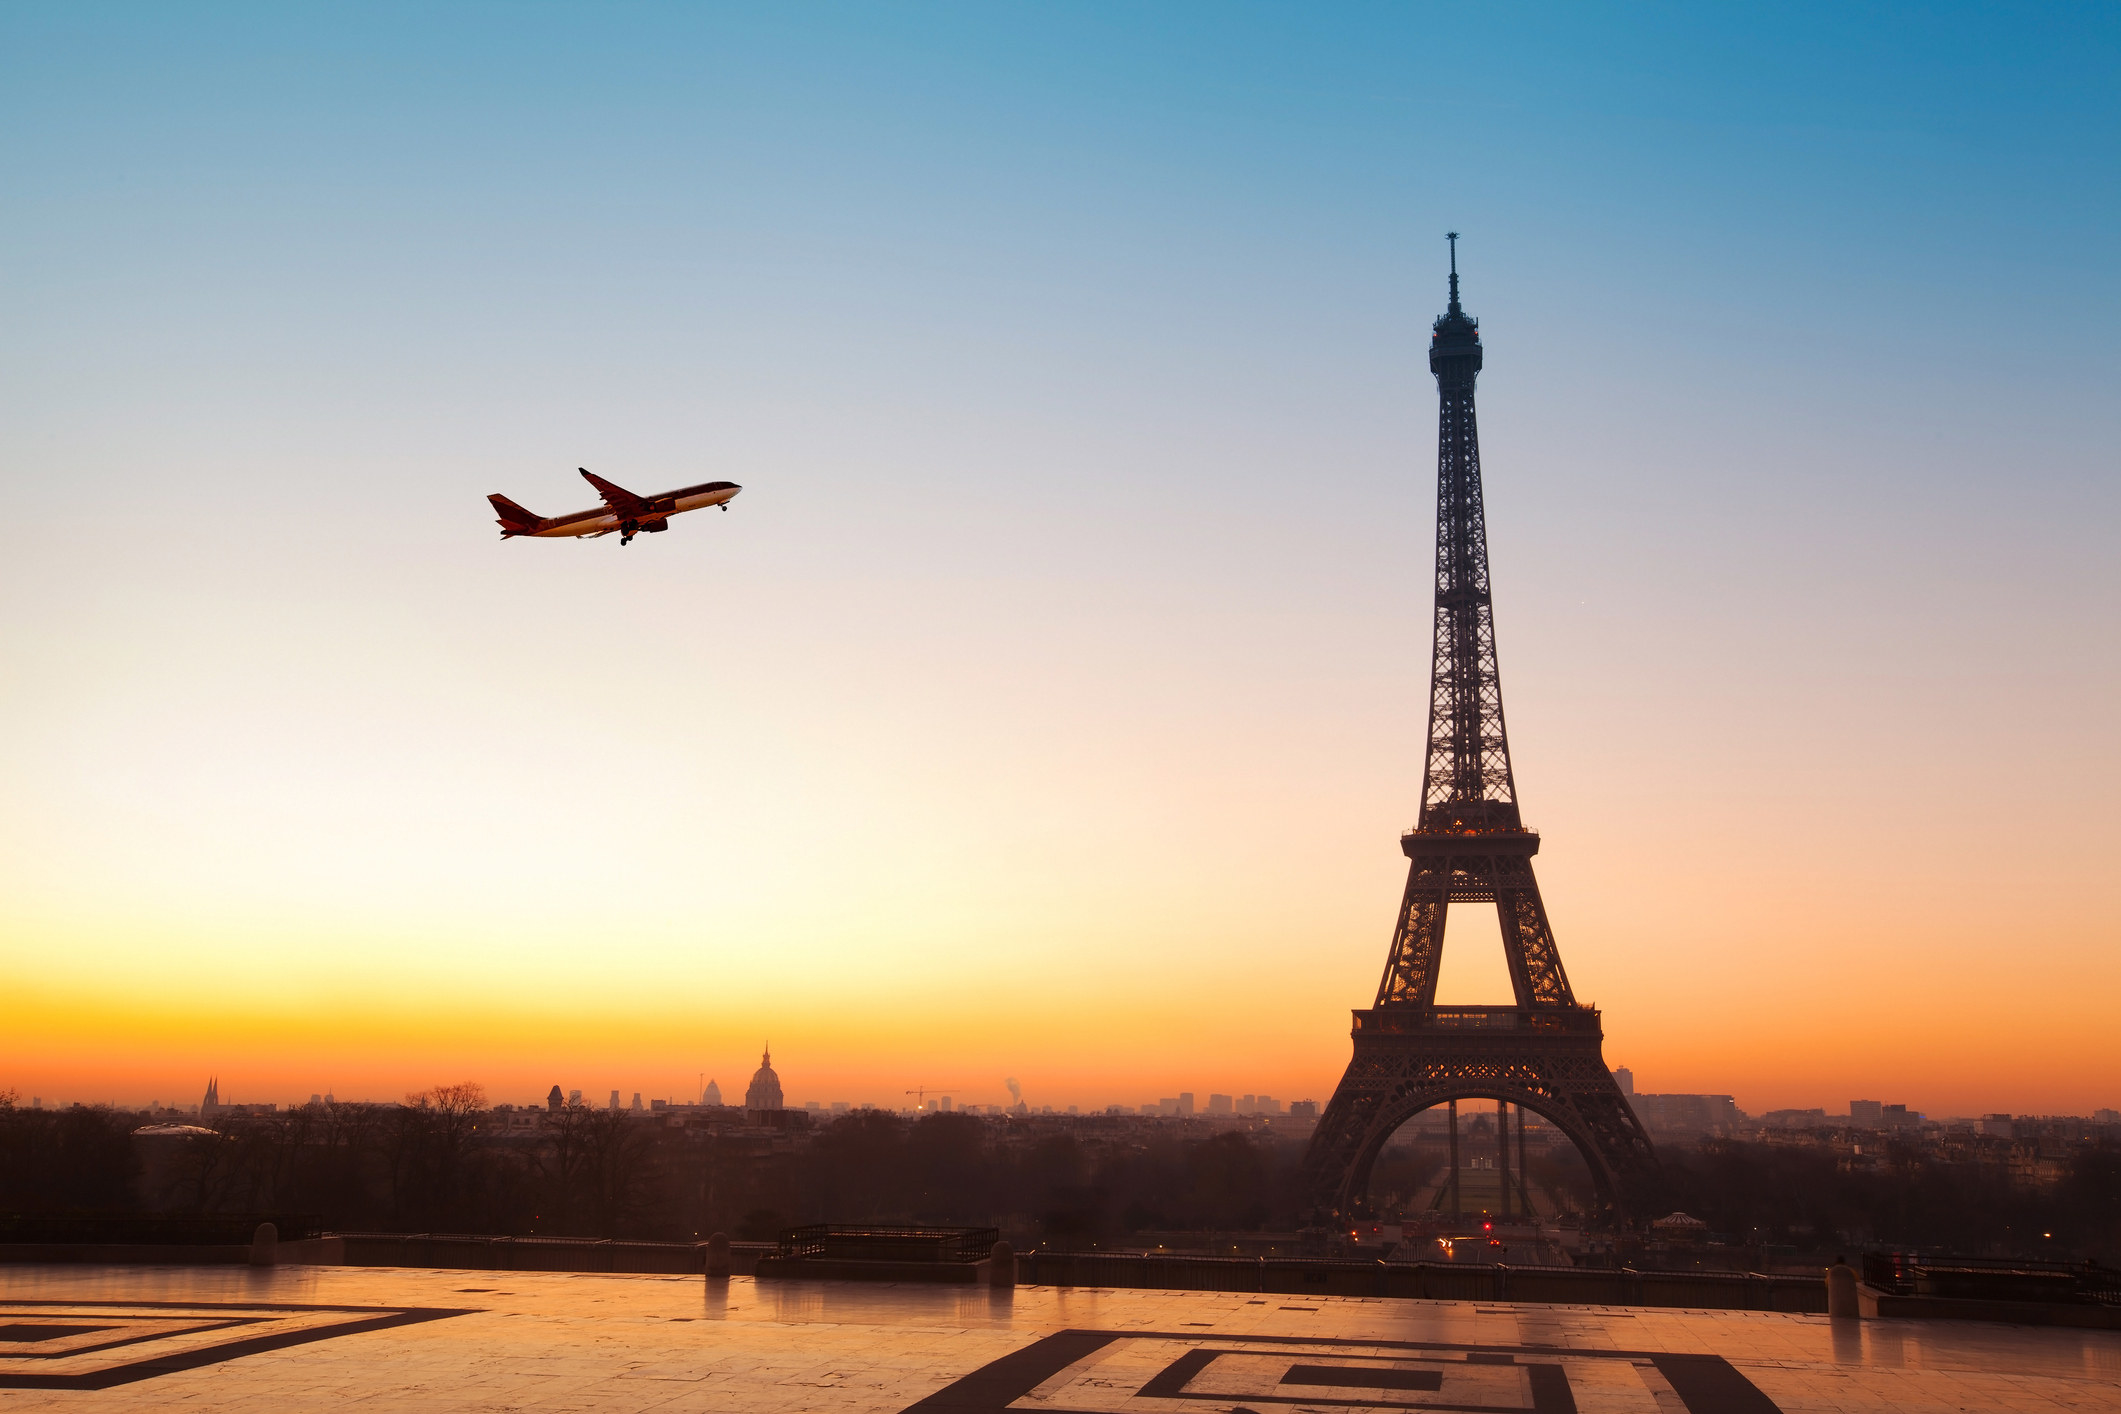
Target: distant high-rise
{"points": [[1625, 1079], [1866, 1114], [765, 1091], [614, 1100]]}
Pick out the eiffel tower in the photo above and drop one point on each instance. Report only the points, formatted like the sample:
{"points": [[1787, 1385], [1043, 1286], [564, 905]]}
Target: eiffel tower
{"points": [[1545, 1054]]}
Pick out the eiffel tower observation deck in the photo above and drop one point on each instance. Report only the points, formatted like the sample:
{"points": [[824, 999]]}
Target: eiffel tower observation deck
{"points": [[1544, 1053]]}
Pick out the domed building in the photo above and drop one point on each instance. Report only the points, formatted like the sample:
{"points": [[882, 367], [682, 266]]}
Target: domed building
{"points": [[765, 1091]]}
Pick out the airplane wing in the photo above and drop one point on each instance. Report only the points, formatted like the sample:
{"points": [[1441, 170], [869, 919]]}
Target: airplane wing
{"points": [[616, 497]]}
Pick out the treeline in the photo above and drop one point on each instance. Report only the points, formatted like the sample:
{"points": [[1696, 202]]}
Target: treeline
{"points": [[1803, 1197], [441, 1163]]}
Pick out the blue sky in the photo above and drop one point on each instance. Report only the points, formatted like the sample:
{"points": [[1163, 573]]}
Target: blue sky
{"points": [[1073, 622]]}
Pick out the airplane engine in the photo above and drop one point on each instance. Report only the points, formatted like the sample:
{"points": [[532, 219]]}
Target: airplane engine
{"points": [[654, 527]]}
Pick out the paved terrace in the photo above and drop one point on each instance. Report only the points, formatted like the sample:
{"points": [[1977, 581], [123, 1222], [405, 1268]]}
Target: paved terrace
{"points": [[332, 1338]]}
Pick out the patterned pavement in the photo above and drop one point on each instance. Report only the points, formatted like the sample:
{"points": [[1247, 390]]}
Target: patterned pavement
{"points": [[299, 1338]]}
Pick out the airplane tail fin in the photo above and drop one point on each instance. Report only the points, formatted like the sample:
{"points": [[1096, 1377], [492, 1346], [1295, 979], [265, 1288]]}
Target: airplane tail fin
{"points": [[514, 519]]}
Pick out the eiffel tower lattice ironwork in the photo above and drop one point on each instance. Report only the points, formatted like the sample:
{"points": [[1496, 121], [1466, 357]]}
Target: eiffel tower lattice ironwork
{"points": [[1544, 1054]]}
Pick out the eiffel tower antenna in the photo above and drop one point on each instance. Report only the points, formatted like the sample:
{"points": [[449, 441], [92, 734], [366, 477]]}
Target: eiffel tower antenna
{"points": [[1545, 1053]]}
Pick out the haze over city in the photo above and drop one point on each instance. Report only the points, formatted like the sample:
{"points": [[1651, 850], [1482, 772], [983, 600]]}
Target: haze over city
{"points": [[1050, 705]]}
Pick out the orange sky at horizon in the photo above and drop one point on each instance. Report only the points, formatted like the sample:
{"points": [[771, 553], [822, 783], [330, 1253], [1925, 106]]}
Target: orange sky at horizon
{"points": [[1117, 851]]}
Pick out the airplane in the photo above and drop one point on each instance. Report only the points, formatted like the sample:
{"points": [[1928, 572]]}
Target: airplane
{"points": [[623, 511]]}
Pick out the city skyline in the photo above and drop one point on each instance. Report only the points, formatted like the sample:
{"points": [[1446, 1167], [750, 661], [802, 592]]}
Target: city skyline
{"points": [[1049, 704], [995, 1099]]}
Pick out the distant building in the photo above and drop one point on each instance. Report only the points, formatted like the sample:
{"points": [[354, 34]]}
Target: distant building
{"points": [[636, 1102], [1795, 1119], [1303, 1109], [2106, 1116], [1625, 1079], [712, 1095], [1219, 1105], [1867, 1114], [840, 1107], [211, 1105], [614, 1100], [555, 1101], [943, 1104], [765, 1091], [574, 1097], [1899, 1117], [1998, 1125], [1687, 1114]]}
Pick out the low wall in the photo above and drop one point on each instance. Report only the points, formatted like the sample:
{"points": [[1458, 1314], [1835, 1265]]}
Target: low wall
{"points": [[852, 1269], [1876, 1304], [540, 1254], [313, 1251], [1435, 1281]]}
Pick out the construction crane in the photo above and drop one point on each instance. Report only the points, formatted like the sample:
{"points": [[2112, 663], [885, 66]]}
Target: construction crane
{"points": [[920, 1094]]}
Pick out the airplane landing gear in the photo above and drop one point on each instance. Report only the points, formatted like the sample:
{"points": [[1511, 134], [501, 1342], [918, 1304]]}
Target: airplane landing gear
{"points": [[628, 530]]}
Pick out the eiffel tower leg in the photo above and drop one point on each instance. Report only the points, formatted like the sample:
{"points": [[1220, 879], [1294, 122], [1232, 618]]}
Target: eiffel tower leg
{"points": [[1527, 937], [1456, 1211], [1417, 938], [1502, 1160], [1524, 1179]]}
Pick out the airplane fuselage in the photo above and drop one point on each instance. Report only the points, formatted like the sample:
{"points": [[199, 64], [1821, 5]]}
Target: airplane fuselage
{"points": [[643, 514], [603, 520]]}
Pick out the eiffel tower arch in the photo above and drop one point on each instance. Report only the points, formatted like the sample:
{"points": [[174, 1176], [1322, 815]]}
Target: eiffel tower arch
{"points": [[1546, 1052]]}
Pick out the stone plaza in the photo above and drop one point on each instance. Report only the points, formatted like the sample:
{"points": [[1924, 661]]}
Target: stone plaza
{"points": [[314, 1338]]}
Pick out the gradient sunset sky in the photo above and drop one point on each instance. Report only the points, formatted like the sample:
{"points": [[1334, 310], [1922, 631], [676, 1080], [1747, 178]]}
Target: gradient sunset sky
{"points": [[1049, 704]]}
